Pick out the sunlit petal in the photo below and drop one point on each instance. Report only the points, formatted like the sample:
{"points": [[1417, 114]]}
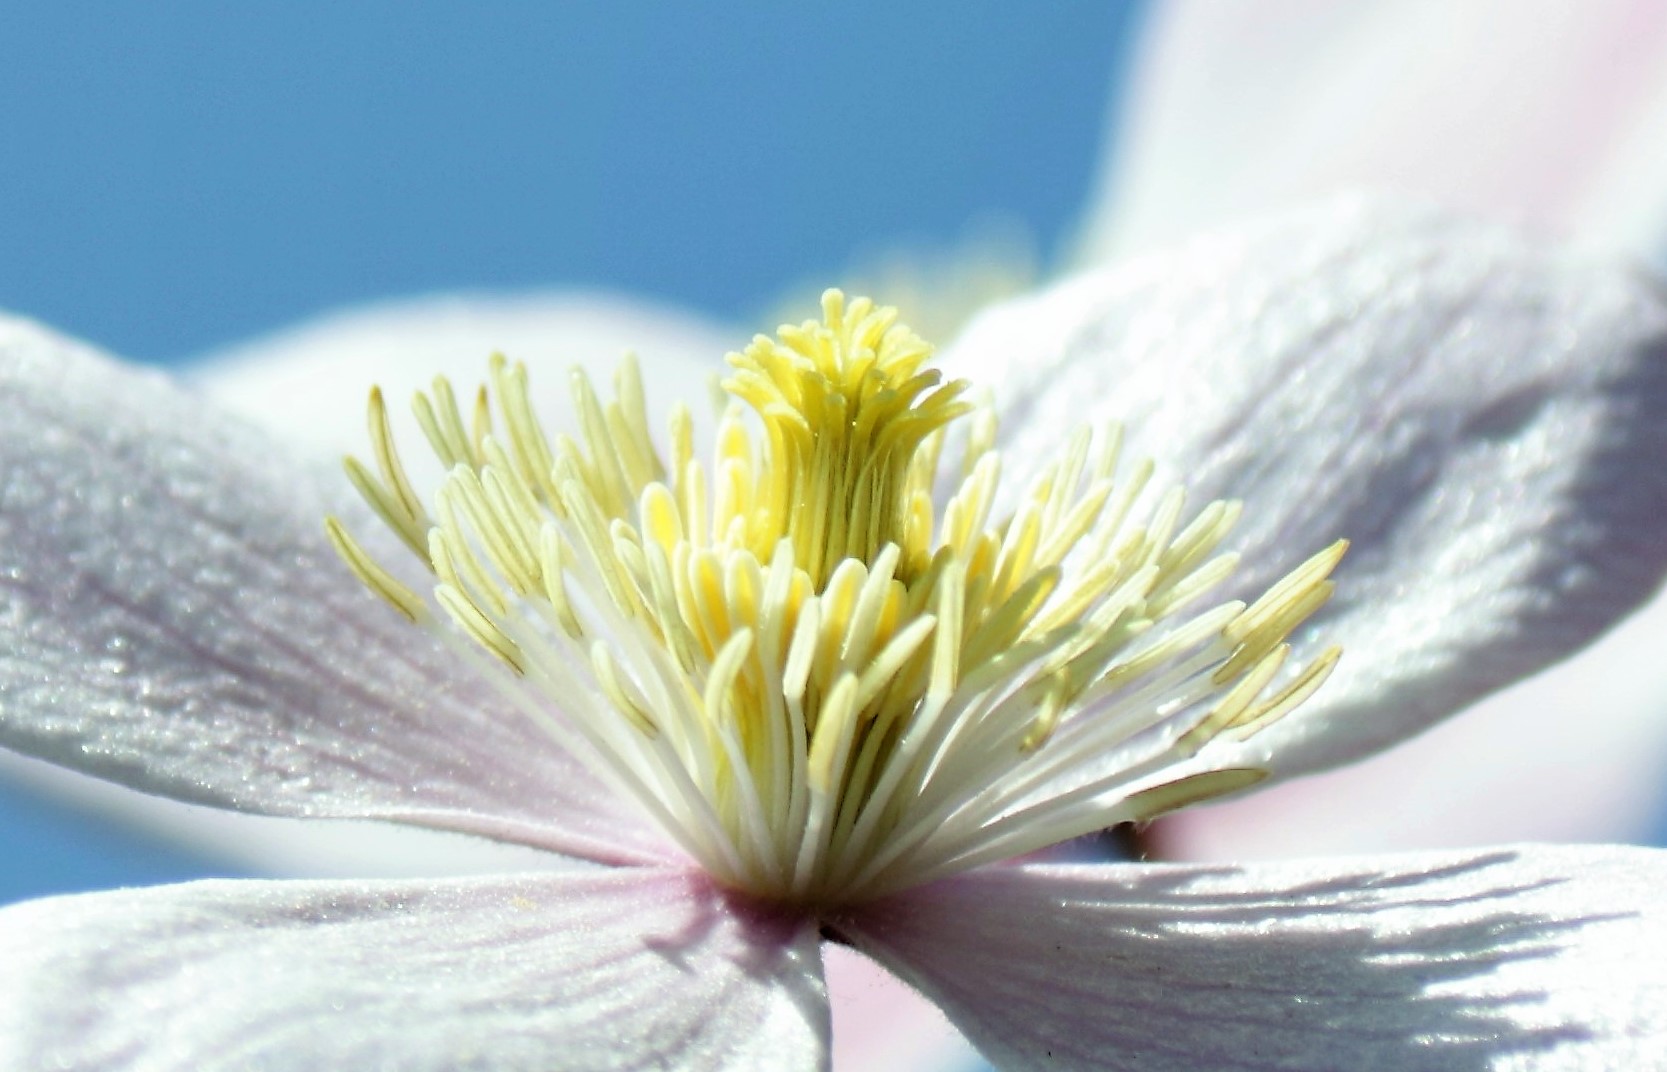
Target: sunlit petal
{"points": [[1538, 958]]}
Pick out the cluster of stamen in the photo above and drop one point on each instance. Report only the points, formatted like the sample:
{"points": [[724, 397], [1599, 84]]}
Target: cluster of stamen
{"points": [[821, 684]]}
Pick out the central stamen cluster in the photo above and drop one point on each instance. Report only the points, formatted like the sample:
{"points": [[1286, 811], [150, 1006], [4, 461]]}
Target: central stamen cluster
{"points": [[845, 407], [823, 686]]}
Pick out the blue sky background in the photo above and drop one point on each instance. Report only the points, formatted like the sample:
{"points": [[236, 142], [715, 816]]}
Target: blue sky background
{"points": [[177, 177], [183, 175]]}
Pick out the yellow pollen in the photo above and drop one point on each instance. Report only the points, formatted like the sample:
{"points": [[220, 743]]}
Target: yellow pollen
{"points": [[825, 683]]}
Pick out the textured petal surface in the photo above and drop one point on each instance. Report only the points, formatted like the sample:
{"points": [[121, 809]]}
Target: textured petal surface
{"points": [[1540, 958], [1481, 416], [621, 969], [1540, 111], [176, 621]]}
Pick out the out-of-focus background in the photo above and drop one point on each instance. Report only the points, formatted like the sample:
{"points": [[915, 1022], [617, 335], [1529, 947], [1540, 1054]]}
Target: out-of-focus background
{"points": [[176, 178], [179, 176]]}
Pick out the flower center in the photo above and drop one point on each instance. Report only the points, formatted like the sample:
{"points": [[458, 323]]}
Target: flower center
{"points": [[822, 685]]}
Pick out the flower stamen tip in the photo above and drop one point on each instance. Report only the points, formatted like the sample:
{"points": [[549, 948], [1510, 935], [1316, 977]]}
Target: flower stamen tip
{"points": [[826, 680]]}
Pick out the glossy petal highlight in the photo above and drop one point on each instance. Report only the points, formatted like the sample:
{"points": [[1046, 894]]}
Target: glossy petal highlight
{"points": [[1538, 958]]}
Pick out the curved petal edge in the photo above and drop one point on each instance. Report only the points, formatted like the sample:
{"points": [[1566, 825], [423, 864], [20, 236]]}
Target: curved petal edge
{"points": [[1528, 958], [1483, 416], [176, 621]]}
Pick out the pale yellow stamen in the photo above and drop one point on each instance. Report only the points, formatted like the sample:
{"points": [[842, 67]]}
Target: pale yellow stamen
{"points": [[824, 684], [372, 575]]}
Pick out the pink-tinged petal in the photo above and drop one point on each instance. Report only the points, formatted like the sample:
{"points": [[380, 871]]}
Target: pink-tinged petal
{"points": [[1573, 754], [267, 846], [880, 1025], [621, 969], [1533, 958], [308, 383], [176, 621], [1483, 417], [1545, 112]]}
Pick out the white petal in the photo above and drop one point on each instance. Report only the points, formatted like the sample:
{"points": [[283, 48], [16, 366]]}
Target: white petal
{"points": [[1484, 418], [1541, 111], [308, 383], [1537, 958], [619, 969], [880, 1023], [177, 622], [1573, 754]]}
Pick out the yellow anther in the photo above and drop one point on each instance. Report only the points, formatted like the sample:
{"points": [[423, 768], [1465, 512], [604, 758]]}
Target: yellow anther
{"points": [[1160, 800], [475, 622], [1293, 587], [824, 682], [384, 503], [371, 574], [1287, 699], [626, 699], [387, 461]]}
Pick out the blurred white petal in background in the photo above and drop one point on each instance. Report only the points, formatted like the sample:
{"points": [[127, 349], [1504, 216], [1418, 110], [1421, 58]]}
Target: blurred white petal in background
{"points": [[1541, 112], [1549, 115]]}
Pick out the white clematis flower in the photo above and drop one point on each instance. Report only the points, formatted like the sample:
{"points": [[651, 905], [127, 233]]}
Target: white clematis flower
{"points": [[1481, 416]]}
